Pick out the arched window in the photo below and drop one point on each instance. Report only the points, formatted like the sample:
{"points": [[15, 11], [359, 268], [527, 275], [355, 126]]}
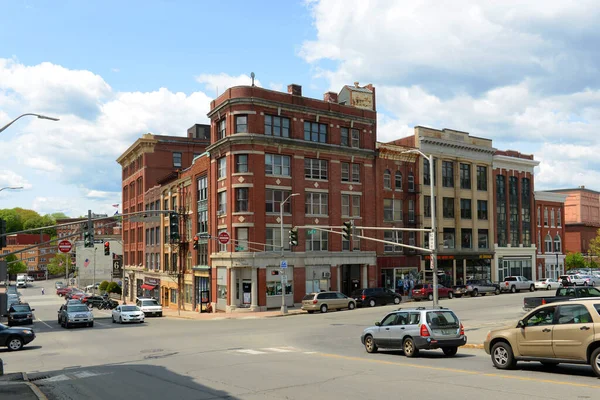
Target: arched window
{"points": [[398, 182], [557, 244], [411, 182], [548, 242], [387, 179]]}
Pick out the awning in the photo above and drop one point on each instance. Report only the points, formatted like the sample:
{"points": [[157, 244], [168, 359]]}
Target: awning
{"points": [[148, 287]]}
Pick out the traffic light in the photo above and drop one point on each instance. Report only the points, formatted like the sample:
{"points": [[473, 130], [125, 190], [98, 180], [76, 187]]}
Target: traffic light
{"points": [[294, 237], [195, 242], [88, 234], [174, 226], [275, 272], [347, 229], [2, 232], [106, 248]]}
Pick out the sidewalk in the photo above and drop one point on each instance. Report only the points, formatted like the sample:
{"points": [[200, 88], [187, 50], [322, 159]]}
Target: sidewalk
{"points": [[16, 387], [169, 313]]}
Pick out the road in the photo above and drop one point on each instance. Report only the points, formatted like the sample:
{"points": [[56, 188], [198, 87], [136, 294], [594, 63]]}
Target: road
{"points": [[315, 356]]}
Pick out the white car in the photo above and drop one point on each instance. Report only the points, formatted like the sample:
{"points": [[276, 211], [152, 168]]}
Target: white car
{"points": [[127, 313], [548, 284], [149, 306], [590, 280], [30, 279]]}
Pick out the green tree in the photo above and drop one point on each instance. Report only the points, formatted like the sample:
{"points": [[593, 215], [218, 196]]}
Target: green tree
{"points": [[13, 220], [57, 264], [595, 244], [59, 215], [15, 267], [575, 261], [113, 287], [103, 286]]}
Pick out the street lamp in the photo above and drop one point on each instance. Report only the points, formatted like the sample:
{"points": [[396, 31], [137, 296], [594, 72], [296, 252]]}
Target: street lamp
{"points": [[432, 235], [28, 114], [283, 306], [11, 188]]}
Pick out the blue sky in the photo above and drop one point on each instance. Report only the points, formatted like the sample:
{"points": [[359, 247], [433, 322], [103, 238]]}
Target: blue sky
{"points": [[523, 73]]}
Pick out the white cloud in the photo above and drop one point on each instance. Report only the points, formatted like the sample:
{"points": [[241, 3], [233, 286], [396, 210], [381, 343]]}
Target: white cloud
{"points": [[217, 83], [115, 70], [276, 86], [11, 178]]}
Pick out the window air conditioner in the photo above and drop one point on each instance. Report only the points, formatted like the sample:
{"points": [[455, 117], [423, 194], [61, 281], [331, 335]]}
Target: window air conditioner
{"points": [[326, 275]]}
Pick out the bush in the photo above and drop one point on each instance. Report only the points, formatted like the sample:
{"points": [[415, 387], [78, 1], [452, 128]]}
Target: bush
{"points": [[103, 286], [113, 287]]}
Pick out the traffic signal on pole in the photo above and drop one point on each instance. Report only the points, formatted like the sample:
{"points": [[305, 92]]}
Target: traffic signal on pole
{"points": [[195, 242], [106, 248], [347, 229], [88, 234], [294, 237], [174, 226], [2, 232]]}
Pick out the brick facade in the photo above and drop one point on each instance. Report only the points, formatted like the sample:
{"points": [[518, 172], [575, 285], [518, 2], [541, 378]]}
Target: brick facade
{"points": [[550, 233]]}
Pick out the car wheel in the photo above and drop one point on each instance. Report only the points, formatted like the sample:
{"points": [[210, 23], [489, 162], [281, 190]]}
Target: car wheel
{"points": [[513, 289], [450, 295], [351, 306], [548, 287], [595, 361], [396, 300], [91, 324], [160, 315], [585, 283], [113, 320], [120, 320], [410, 350], [497, 291], [15, 343], [532, 288], [502, 356], [67, 325], [324, 308], [450, 351], [372, 303], [474, 293], [370, 345], [430, 297]]}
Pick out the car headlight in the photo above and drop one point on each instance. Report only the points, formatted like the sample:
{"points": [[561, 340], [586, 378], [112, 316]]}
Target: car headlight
{"points": [[27, 332]]}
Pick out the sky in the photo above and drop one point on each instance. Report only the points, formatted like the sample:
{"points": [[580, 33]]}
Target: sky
{"points": [[523, 73]]}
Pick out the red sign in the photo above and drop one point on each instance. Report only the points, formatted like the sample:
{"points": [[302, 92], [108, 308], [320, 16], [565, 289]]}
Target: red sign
{"points": [[223, 237], [65, 246]]}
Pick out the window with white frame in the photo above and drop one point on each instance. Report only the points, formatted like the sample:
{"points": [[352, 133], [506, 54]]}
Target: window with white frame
{"points": [[273, 239], [355, 138], [412, 238], [315, 169], [557, 242], [392, 210], [548, 243], [350, 172], [411, 210], [350, 205], [177, 159], [274, 198], [316, 203], [411, 182], [387, 179], [552, 218], [545, 217], [316, 241], [392, 236], [222, 202], [276, 164], [398, 180], [539, 217], [558, 218], [222, 168], [222, 128], [241, 163], [241, 124], [241, 199]]}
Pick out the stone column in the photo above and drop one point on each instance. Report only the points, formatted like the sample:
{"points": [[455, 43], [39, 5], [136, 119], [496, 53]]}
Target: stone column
{"points": [[232, 289], [365, 276], [254, 301]]}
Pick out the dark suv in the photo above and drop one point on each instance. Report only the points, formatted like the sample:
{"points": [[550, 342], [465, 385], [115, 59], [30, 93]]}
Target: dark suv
{"points": [[375, 296], [20, 314]]}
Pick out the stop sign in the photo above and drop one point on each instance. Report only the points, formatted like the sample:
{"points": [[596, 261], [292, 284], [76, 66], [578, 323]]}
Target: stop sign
{"points": [[223, 237], [65, 246]]}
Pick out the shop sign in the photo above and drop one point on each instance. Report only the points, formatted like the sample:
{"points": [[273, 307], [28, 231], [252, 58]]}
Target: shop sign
{"points": [[152, 281]]}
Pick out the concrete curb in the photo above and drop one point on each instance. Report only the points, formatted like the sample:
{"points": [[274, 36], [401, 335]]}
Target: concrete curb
{"points": [[473, 346]]}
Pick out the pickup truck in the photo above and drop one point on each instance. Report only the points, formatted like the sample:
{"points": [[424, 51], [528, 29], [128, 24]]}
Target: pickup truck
{"points": [[476, 287], [562, 294], [515, 284]]}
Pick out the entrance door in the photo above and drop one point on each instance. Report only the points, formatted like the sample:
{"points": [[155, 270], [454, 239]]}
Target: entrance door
{"points": [[246, 292], [535, 338]]}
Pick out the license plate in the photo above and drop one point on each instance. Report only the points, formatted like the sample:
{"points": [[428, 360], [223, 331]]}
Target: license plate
{"points": [[448, 332]]}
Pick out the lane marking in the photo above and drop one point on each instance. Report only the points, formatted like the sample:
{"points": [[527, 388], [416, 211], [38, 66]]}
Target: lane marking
{"points": [[250, 351], [39, 320], [100, 323], [56, 378], [460, 371], [278, 350]]}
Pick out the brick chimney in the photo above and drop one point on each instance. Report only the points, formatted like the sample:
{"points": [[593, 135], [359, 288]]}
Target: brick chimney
{"points": [[330, 97], [295, 90]]}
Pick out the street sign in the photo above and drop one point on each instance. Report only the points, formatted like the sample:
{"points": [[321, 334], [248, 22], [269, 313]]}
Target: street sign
{"points": [[283, 264], [431, 263], [284, 279], [117, 271], [432, 241], [224, 238], [65, 246], [204, 236], [311, 231]]}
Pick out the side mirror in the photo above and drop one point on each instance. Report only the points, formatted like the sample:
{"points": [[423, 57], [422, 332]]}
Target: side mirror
{"points": [[377, 323], [33, 309], [521, 324]]}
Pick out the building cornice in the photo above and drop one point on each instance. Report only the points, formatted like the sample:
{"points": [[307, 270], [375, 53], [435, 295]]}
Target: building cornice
{"points": [[395, 152], [550, 197], [456, 145]]}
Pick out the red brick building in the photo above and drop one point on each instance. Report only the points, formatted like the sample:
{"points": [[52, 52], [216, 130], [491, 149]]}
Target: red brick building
{"points": [[550, 233], [37, 258], [102, 227]]}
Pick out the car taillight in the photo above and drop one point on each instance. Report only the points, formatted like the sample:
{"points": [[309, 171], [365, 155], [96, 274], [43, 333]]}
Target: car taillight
{"points": [[424, 331], [314, 301], [363, 297], [505, 283], [462, 329], [543, 301]]}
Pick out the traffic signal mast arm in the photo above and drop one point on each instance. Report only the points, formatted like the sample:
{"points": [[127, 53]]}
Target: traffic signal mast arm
{"points": [[321, 228]]}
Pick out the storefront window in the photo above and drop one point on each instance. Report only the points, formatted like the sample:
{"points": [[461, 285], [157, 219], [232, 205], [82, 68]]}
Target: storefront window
{"points": [[188, 290], [173, 295], [479, 269], [222, 283], [274, 288], [512, 267]]}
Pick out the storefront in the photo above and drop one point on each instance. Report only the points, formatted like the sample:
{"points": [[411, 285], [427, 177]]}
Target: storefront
{"points": [[202, 291], [395, 270], [350, 278], [318, 278], [457, 269], [275, 285], [515, 266], [150, 288]]}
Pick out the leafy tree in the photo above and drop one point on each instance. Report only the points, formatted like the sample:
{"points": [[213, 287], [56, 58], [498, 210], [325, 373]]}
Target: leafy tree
{"points": [[57, 264], [113, 287], [15, 267], [13, 220], [575, 261], [59, 215], [595, 244], [26, 214], [103, 286]]}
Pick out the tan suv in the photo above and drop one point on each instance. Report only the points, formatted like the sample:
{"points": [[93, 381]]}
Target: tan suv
{"points": [[562, 332], [324, 301]]}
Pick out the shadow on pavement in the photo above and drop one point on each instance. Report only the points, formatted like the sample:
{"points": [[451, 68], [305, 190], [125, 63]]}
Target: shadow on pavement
{"points": [[427, 354], [132, 381], [561, 369], [27, 347]]}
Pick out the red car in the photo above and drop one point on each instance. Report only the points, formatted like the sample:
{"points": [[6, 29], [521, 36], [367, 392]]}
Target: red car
{"points": [[75, 295], [63, 291], [425, 291]]}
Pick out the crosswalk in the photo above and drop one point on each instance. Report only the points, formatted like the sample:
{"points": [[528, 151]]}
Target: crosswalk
{"points": [[271, 350], [81, 374], [43, 300]]}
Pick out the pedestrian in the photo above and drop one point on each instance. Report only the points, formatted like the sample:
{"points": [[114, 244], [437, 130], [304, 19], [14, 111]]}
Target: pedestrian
{"points": [[411, 286], [43, 291]]}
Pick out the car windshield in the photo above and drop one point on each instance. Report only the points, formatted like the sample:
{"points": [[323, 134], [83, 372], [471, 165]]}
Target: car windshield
{"points": [[129, 308], [442, 319], [309, 296], [77, 308], [20, 308], [150, 303]]}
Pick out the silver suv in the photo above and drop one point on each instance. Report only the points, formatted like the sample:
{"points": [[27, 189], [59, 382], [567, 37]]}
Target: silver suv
{"points": [[414, 329]]}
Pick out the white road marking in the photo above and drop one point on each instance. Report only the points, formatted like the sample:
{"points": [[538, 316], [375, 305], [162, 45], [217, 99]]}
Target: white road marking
{"points": [[249, 318], [39, 320], [310, 352], [250, 351], [100, 323], [85, 374], [279, 350], [56, 378]]}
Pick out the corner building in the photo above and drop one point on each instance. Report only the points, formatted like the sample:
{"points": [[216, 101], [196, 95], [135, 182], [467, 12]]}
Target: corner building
{"points": [[267, 146]]}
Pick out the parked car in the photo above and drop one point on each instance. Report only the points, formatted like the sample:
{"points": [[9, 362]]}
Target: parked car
{"points": [[425, 291], [15, 338], [375, 296], [30, 278], [11, 300], [548, 284], [75, 314], [415, 329], [562, 294], [325, 301], [127, 313], [95, 301], [590, 280], [475, 287], [515, 284], [63, 291], [20, 314], [562, 332], [58, 285], [75, 295], [149, 306], [89, 288], [572, 280]]}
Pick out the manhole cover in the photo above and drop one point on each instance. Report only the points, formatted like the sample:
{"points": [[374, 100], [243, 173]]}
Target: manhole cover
{"points": [[150, 351]]}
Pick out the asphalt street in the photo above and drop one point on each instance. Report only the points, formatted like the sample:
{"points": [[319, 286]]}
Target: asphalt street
{"points": [[295, 357]]}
